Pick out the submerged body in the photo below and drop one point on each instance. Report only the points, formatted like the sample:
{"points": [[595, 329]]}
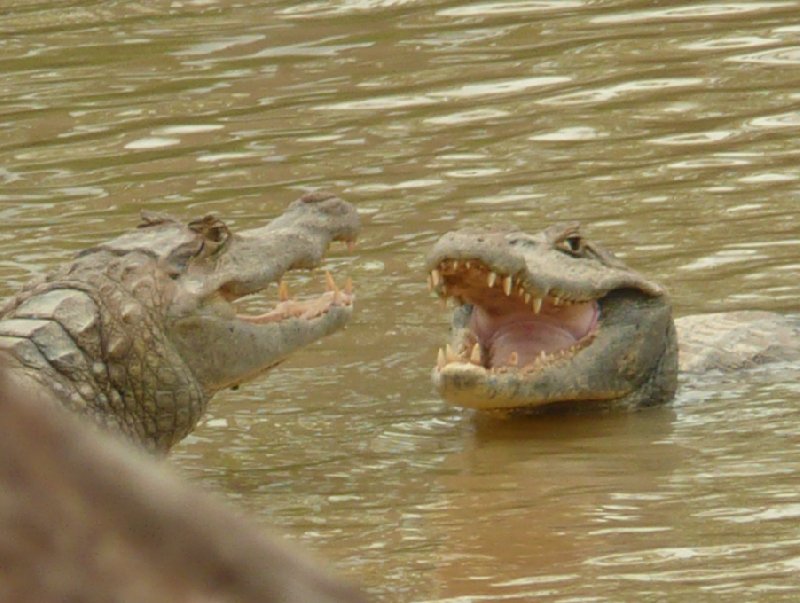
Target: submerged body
{"points": [[554, 321], [140, 332]]}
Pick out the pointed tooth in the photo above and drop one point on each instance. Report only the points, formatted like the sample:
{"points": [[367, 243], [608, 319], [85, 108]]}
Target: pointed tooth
{"points": [[450, 354], [330, 283], [441, 359], [537, 305], [513, 359], [507, 284], [491, 279], [475, 355], [436, 277], [468, 264], [455, 264], [527, 297], [557, 301], [542, 355], [283, 291], [348, 286]]}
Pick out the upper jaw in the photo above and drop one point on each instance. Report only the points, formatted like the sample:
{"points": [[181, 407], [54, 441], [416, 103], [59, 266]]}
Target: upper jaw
{"points": [[528, 318], [297, 239], [533, 263]]}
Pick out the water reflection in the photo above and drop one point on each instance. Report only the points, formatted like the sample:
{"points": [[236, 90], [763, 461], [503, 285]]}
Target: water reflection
{"points": [[517, 491]]}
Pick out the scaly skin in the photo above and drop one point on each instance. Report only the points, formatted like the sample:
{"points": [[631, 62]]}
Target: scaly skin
{"points": [[139, 333], [733, 341], [607, 333], [548, 321]]}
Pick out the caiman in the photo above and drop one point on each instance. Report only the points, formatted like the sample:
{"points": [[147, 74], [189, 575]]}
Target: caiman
{"points": [[140, 332], [553, 321]]}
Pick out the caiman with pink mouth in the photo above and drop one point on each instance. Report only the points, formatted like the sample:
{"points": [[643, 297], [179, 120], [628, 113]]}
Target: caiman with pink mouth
{"points": [[549, 321], [140, 332]]}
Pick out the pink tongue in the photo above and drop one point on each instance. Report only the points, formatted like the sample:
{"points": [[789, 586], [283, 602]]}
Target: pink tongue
{"points": [[528, 339], [554, 329]]}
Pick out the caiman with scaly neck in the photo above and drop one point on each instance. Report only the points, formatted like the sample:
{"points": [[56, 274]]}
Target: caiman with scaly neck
{"points": [[140, 332], [553, 321]]}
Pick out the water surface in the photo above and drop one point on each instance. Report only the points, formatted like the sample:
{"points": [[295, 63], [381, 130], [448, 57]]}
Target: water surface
{"points": [[670, 130]]}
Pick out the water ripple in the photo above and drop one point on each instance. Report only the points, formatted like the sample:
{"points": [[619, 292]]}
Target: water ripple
{"points": [[699, 11], [465, 91], [518, 7]]}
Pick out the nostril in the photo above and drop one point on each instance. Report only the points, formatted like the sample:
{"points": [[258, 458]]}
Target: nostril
{"points": [[317, 197]]}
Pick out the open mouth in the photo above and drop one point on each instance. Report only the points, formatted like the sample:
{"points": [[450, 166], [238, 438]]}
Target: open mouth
{"points": [[306, 309], [508, 324]]}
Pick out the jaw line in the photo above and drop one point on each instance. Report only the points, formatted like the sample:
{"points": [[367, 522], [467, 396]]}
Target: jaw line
{"points": [[305, 309], [241, 346], [465, 384], [513, 390]]}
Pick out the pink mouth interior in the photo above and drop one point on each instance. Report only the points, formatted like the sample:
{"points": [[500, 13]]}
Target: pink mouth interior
{"points": [[509, 331], [519, 330]]}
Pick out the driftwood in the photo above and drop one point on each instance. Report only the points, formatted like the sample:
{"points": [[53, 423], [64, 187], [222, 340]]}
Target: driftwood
{"points": [[85, 518]]}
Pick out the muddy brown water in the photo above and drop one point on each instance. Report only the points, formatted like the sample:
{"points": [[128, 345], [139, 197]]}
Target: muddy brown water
{"points": [[670, 129]]}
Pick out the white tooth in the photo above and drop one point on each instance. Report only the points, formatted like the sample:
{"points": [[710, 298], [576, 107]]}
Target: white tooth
{"points": [[527, 298], [441, 360], [436, 277], [537, 305], [330, 283], [455, 264], [492, 279], [475, 356], [468, 264], [556, 301], [450, 354], [542, 355], [507, 284], [513, 359]]}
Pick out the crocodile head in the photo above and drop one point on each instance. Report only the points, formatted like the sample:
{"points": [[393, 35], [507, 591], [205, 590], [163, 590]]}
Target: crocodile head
{"points": [[549, 321], [211, 268], [141, 331]]}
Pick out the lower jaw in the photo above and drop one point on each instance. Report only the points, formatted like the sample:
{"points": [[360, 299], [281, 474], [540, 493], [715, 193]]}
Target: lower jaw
{"points": [[471, 387], [469, 355]]}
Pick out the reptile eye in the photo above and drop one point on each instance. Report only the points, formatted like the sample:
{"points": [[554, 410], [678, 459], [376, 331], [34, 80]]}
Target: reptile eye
{"points": [[217, 234], [572, 244]]}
